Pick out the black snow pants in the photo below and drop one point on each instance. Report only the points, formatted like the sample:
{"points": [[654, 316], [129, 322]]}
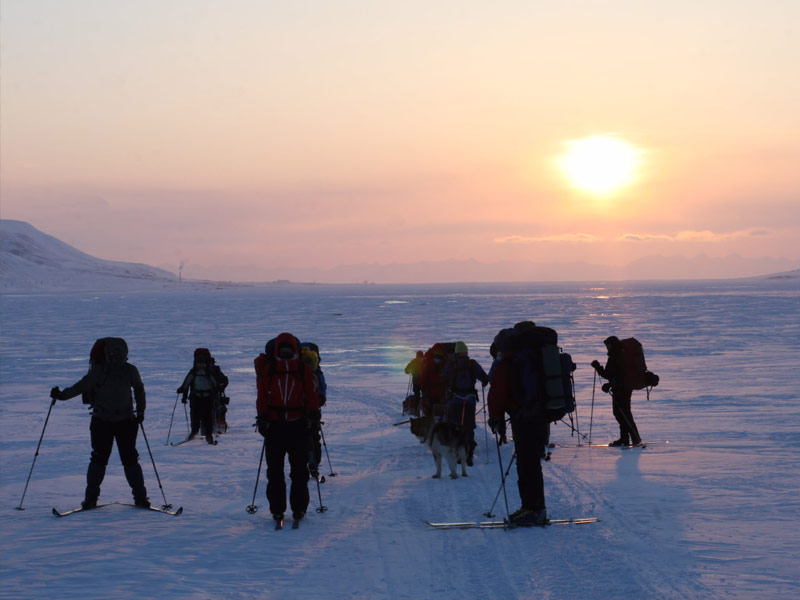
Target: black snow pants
{"points": [[103, 435], [201, 409], [530, 436], [621, 407], [292, 438]]}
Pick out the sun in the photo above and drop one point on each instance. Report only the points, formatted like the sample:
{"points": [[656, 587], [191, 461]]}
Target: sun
{"points": [[600, 165]]}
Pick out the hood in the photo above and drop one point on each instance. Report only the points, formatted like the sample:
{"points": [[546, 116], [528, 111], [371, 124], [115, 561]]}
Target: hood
{"points": [[287, 339]]}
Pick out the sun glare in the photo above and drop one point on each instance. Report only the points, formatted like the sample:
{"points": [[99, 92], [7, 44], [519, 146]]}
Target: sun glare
{"points": [[600, 165]]}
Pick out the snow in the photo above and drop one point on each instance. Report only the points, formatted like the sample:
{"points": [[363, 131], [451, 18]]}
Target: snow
{"points": [[708, 510]]}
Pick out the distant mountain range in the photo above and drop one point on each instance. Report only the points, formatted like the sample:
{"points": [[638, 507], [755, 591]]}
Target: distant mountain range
{"points": [[32, 261], [471, 270]]}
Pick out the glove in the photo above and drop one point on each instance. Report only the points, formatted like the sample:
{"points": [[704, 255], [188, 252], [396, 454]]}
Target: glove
{"points": [[322, 400], [314, 418], [595, 364], [55, 394], [139, 418], [262, 425], [179, 390], [184, 399], [498, 427], [606, 387]]}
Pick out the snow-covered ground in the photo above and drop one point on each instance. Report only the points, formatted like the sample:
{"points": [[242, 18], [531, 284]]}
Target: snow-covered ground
{"points": [[32, 261], [708, 510]]}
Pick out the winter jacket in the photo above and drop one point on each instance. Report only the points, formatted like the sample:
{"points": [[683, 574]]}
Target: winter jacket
{"points": [[612, 370], [414, 368], [109, 389], [200, 382], [286, 390]]}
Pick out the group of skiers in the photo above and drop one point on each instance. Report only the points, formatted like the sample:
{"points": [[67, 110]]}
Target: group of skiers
{"points": [[530, 379], [527, 391], [291, 391]]}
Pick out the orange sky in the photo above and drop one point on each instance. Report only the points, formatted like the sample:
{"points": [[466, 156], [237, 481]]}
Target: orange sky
{"points": [[234, 133]]}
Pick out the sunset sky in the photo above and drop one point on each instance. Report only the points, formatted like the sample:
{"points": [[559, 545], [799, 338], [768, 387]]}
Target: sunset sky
{"points": [[314, 134]]}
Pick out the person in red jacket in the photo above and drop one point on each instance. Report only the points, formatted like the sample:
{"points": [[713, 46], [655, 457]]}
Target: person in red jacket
{"points": [[288, 411], [431, 382]]}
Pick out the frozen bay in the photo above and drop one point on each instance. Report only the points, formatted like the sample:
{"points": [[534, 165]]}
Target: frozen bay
{"points": [[708, 510]]}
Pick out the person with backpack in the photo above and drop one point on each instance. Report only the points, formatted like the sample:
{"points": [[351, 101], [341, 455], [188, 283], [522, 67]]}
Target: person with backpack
{"points": [[431, 381], [107, 389], [460, 374], [516, 390], [621, 375], [414, 368], [309, 352], [288, 409], [222, 400], [201, 388]]}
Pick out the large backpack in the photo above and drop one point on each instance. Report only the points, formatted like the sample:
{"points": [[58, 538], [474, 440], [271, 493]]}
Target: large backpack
{"points": [[101, 353], [541, 372], [633, 368], [309, 352], [203, 382]]}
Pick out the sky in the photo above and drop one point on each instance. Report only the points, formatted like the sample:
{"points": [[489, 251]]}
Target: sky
{"points": [[232, 135]]}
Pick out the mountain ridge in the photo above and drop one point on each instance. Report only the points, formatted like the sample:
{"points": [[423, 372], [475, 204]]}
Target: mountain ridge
{"points": [[31, 260]]}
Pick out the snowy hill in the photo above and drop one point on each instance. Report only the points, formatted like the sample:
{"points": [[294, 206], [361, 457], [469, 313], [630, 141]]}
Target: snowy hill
{"points": [[32, 261]]}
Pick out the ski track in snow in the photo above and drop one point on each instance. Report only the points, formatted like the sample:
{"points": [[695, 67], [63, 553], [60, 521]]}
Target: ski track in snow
{"points": [[670, 526]]}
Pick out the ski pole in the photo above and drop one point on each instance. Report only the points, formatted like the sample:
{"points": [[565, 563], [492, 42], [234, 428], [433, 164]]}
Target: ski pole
{"points": [[171, 419], [502, 479], [324, 445], [47, 418], [253, 508], [166, 505], [485, 427], [577, 427], [322, 508], [591, 414], [574, 430], [489, 513]]}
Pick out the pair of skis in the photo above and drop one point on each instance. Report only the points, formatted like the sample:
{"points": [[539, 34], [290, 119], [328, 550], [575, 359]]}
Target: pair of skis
{"points": [[167, 510], [507, 525], [623, 447]]}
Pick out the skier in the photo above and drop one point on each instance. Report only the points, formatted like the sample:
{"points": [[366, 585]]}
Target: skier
{"points": [[530, 435], [431, 382], [460, 374], [107, 388], [621, 392], [414, 368], [288, 410], [309, 352], [222, 400], [201, 388]]}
